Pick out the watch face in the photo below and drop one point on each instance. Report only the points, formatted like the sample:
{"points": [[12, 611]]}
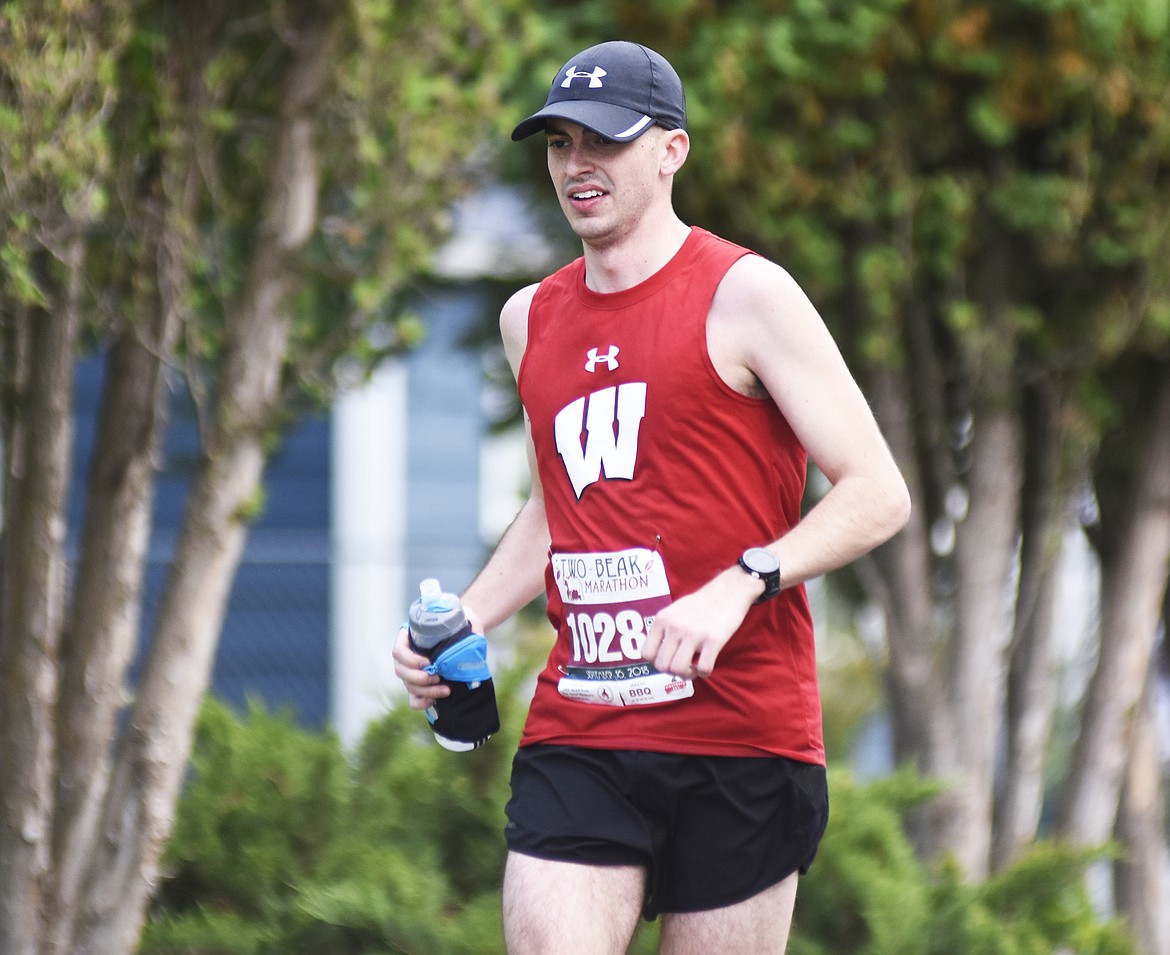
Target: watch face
{"points": [[761, 561]]}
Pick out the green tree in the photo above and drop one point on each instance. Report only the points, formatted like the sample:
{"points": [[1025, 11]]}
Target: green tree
{"points": [[977, 195], [234, 193]]}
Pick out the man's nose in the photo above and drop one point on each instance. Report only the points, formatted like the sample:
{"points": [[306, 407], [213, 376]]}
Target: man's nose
{"points": [[580, 158]]}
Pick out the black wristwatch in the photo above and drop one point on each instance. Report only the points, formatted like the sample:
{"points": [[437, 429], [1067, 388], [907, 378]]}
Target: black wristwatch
{"points": [[763, 565]]}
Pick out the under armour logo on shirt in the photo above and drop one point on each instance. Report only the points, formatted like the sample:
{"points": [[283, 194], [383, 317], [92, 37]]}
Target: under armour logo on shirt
{"points": [[609, 358], [593, 76]]}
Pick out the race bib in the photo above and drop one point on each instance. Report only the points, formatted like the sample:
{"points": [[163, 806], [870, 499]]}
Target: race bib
{"points": [[610, 599]]}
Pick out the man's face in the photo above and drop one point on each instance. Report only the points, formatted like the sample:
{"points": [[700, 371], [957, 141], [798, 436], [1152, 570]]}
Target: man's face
{"points": [[604, 187]]}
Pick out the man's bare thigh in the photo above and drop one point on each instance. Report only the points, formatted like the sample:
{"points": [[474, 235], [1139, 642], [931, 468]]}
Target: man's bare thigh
{"points": [[756, 926], [554, 906]]}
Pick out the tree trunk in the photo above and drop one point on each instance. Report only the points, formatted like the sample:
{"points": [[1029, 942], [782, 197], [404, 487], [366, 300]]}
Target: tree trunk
{"points": [[104, 622], [1030, 685], [39, 437], [1140, 879], [1135, 557], [152, 755], [899, 574], [944, 695], [985, 557]]}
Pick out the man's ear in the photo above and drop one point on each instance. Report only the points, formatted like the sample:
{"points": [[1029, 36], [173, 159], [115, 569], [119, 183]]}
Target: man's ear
{"points": [[676, 145]]}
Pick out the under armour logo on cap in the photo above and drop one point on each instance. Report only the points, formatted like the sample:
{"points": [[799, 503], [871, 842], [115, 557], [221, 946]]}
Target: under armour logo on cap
{"points": [[617, 89], [594, 76]]}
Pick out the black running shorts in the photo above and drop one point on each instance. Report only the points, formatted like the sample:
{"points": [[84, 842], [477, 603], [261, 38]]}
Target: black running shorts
{"points": [[710, 830]]}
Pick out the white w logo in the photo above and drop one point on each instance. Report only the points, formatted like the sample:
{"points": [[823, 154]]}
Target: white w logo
{"points": [[611, 434]]}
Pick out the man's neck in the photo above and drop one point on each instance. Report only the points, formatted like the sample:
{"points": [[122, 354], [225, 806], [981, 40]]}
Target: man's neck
{"points": [[623, 264]]}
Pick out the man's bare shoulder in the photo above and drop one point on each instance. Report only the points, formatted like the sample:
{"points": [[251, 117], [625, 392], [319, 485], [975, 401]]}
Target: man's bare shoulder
{"points": [[753, 279], [740, 313], [514, 323], [763, 324], [516, 308], [755, 300], [761, 304]]}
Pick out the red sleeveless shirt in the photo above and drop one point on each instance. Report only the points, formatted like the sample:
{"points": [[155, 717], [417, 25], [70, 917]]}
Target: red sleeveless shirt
{"points": [[656, 476]]}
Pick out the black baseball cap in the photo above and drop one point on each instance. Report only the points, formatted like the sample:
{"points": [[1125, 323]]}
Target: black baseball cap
{"points": [[617, 89]]}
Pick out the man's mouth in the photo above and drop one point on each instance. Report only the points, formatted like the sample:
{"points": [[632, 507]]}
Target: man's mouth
{"points": [[586, 194]]}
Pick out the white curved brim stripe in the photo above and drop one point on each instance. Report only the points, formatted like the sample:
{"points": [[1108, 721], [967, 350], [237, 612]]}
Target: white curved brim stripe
{"points": [[618, 123], [634, 130]]}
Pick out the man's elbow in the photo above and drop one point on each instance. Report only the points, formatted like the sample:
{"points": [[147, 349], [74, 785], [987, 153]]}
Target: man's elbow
{"points": [[898, 506]]}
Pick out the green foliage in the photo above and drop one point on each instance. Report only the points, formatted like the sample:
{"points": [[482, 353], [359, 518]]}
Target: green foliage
{"points": [[264, 801], [205, 931], [56, 89], [152, 129], [284, 845], [869, 894], [418, 102], [866, 891], [1006, 162]]}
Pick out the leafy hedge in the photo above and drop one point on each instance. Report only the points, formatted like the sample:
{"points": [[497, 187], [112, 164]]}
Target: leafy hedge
{"points": [[285, 845], [869, 894]]}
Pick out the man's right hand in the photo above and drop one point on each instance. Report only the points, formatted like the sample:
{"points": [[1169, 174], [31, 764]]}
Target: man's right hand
{"points": [[424, 688]]}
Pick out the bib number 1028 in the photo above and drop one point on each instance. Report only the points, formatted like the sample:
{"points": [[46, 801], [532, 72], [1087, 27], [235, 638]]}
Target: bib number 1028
{"points": [[606, 638]]}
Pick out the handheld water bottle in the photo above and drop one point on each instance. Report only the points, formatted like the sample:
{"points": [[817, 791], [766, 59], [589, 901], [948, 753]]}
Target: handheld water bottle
{"points": [[440, 631]]}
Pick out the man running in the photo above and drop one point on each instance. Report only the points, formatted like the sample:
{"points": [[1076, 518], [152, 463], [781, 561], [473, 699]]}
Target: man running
{"points": [[673, 385]]}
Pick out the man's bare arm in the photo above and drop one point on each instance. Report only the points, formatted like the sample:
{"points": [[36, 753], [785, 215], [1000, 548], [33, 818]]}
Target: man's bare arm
{"points": [[766, 338]]}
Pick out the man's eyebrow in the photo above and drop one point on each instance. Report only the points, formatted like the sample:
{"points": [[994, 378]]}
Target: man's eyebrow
{"points": [[551, 129]]}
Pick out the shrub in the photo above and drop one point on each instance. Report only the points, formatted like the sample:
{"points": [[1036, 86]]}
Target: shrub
{"points": [[286, 846], [868, 893], [283, 845]]}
